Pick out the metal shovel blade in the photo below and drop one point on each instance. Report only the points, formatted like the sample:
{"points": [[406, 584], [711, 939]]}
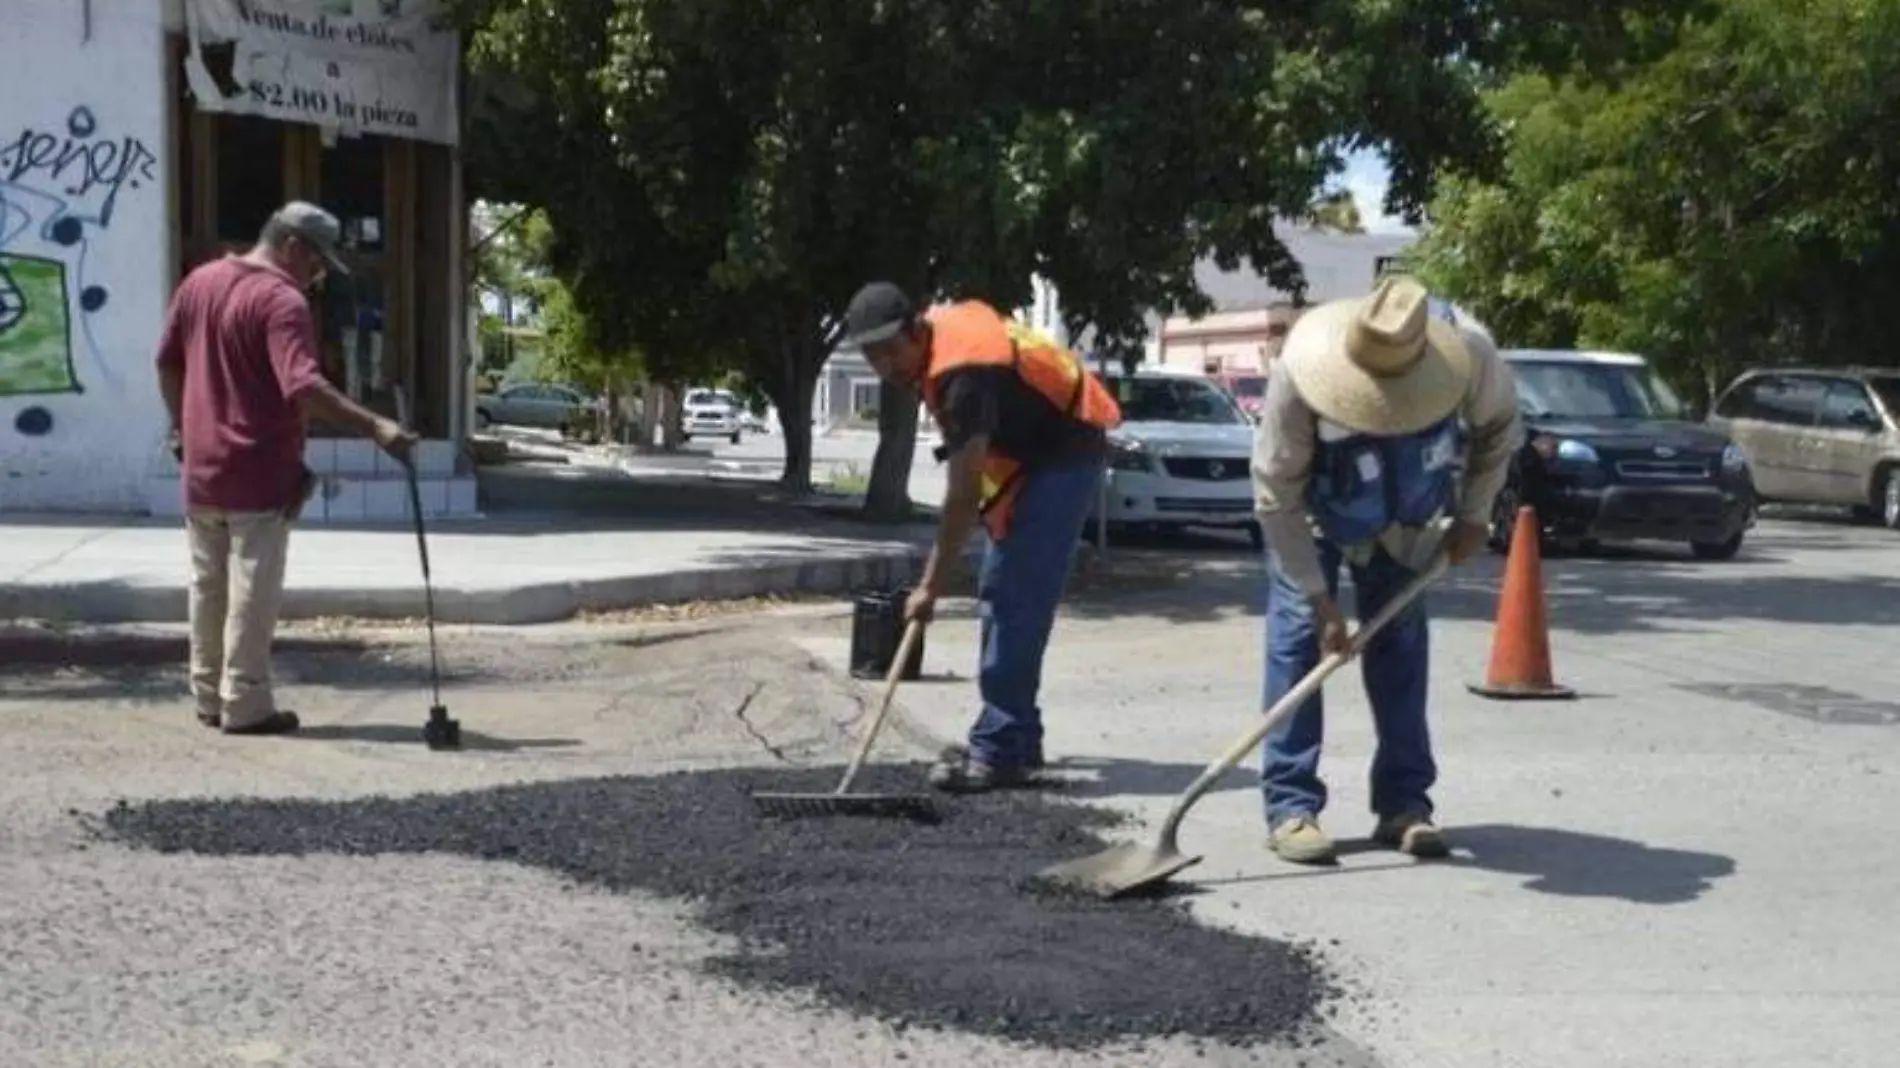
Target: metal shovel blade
{"points": [[1120, 870]]}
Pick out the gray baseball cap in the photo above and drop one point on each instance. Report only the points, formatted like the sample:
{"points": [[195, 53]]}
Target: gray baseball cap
{"points": [[316, 226], [875, 314]]}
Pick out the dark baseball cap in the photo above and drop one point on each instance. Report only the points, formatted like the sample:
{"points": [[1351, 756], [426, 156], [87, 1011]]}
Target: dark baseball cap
{"points": [[316, 226], [875, 314]]}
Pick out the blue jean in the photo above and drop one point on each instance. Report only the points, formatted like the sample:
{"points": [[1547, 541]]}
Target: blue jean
{"points": [[1018, 590], [1394, 667]]}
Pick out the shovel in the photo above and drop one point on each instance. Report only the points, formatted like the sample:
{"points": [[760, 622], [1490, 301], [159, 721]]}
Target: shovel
{"points": [[1121, 870]]}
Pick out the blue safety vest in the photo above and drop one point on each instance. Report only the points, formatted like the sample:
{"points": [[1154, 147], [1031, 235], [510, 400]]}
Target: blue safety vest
{"points": [[1363, 483]]}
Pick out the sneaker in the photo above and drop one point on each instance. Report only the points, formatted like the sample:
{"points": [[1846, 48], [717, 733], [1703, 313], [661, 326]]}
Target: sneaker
{"points": [[1299, 839], [1412, 834], [967, 776]]}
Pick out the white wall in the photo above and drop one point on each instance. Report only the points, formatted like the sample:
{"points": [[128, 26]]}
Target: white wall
{"points": [[85, 240]]}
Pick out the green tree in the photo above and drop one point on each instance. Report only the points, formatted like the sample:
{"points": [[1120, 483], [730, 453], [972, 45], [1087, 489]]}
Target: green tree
{"points": [[721, 176], [1729, 204]]}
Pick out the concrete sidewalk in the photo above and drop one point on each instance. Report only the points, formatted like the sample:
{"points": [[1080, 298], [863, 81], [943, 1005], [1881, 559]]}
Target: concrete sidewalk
{"points": [[556, 542]]}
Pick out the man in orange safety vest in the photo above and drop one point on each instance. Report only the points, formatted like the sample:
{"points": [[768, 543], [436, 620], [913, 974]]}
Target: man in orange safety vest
{"points": [[1024, 436]]}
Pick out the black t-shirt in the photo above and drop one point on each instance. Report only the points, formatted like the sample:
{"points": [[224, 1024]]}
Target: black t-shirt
{"points": [[1020, 422]]}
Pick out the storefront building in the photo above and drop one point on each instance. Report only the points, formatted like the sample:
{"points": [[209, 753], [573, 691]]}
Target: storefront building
{"points": [[138, 140]]}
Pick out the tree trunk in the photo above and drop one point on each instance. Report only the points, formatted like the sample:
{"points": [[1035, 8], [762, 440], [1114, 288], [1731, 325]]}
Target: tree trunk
{"points": [[670, 415], [800, 361], [888, 496]]}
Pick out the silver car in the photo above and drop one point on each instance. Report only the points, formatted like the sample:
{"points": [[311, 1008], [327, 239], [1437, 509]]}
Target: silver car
{"points": [[537, 404], [1817, 435]]}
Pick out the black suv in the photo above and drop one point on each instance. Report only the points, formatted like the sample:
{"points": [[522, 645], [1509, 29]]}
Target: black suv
{"points": [[1609, 457]]}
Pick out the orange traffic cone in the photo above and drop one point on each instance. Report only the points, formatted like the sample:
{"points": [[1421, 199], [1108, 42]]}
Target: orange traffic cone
{"points": [[1520, 645]]}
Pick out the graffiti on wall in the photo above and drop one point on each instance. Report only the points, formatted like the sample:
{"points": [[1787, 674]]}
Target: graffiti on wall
{"points": [[59, 189]]}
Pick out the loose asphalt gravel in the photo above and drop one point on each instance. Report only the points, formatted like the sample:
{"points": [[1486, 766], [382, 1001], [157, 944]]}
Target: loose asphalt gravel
{"points": [[926, 926]]}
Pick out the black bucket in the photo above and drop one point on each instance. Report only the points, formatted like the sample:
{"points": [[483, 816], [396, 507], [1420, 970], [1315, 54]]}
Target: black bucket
{"points": [[877, 629]]}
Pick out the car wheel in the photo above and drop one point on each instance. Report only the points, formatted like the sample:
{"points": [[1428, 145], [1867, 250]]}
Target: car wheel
{"points": [[1717, 550], [1890, 499], [481, 419], [735, 437], [1257, 537], [1503, 521]]}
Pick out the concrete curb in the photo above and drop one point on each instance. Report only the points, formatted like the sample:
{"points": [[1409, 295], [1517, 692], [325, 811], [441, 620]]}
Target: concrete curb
{"points": [[551, 602]]}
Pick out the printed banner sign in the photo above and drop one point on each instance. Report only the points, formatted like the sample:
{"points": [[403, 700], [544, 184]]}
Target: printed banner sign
{"points": [[361, 66]]}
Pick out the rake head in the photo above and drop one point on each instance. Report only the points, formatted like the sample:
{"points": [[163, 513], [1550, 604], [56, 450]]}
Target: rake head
{"points": [[914, 807]]}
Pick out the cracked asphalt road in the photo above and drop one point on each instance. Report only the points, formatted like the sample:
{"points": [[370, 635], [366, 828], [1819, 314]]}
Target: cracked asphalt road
{"points": [[417, 953]]}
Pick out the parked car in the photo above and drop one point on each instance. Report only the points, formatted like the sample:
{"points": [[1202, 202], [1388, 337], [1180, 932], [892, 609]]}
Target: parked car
{"points": [[711, 413], [1819, 435], [1249, 390], [1182, 456], [537, 404], [1609, 456]]}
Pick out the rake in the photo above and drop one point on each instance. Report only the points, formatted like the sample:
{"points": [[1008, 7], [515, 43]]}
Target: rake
{"points": [[841, 801]]}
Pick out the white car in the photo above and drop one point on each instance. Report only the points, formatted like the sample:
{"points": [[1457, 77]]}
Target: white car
{"points": [[712, 413], [1182, 456]]}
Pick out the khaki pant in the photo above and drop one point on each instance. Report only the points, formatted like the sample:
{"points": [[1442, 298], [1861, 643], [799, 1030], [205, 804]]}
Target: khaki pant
{"points": [[237, 584]]}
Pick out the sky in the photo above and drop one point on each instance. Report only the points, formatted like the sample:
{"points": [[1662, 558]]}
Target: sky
{"points": [[1366, 177]]}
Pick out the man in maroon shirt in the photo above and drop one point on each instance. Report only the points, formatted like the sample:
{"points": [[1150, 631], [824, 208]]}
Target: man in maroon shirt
{"points": [[237, 366]]}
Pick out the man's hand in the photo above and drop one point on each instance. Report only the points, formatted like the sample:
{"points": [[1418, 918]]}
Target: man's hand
{"points": [[1330, 622], [394, 438], [1463, 540], [921, 605]]}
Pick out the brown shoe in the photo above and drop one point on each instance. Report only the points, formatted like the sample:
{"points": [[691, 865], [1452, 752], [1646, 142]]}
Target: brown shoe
{"points": [[1412, 834]]}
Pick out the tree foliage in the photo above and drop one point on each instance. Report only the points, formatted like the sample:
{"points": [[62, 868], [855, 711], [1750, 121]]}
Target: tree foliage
{"points": [[722, 175], [1729, 204]]}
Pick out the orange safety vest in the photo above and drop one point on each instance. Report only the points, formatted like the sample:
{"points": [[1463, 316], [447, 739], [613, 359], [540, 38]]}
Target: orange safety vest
{"points": [[971, 333]]}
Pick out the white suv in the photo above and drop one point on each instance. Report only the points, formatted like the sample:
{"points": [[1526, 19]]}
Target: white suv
{"points": [[713, 413]]}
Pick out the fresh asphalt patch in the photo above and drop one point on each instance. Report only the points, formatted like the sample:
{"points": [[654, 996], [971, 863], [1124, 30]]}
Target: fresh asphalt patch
{"points": [[927, 926]]}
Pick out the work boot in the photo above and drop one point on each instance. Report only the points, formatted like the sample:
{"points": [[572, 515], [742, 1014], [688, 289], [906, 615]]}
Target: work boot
{"points": [[967, 775], [953, 754], [1412, 834], [1299, 839]]}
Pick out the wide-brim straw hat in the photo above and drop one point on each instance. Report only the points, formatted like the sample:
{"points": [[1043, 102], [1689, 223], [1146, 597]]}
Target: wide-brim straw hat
{"points": [[1379, 364]]}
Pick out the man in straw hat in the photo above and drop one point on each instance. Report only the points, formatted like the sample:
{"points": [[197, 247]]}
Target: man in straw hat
{"points": [[1370, 409]]}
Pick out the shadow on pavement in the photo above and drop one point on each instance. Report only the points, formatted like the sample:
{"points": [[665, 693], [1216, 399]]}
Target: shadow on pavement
{"points": [[1575, 864], [392, 734], [110, 666], [1611, 591], [1552, 861], [1107, 777]]}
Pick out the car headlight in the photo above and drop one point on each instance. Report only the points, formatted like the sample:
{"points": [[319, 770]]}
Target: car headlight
{"points": [[1128, 456], [1576, 452], [1733, 459]]}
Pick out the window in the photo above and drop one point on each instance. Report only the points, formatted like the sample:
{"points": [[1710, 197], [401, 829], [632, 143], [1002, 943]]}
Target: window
{"points": [[249, 177], [864, 397], [1175, 400], [1250, 386], [1846, 406], [1590, 390], [1788, 400], [1739, 402]]}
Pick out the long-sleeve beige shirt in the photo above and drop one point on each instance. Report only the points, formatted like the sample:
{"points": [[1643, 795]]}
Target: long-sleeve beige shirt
{"points": [[1284, 447]]}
